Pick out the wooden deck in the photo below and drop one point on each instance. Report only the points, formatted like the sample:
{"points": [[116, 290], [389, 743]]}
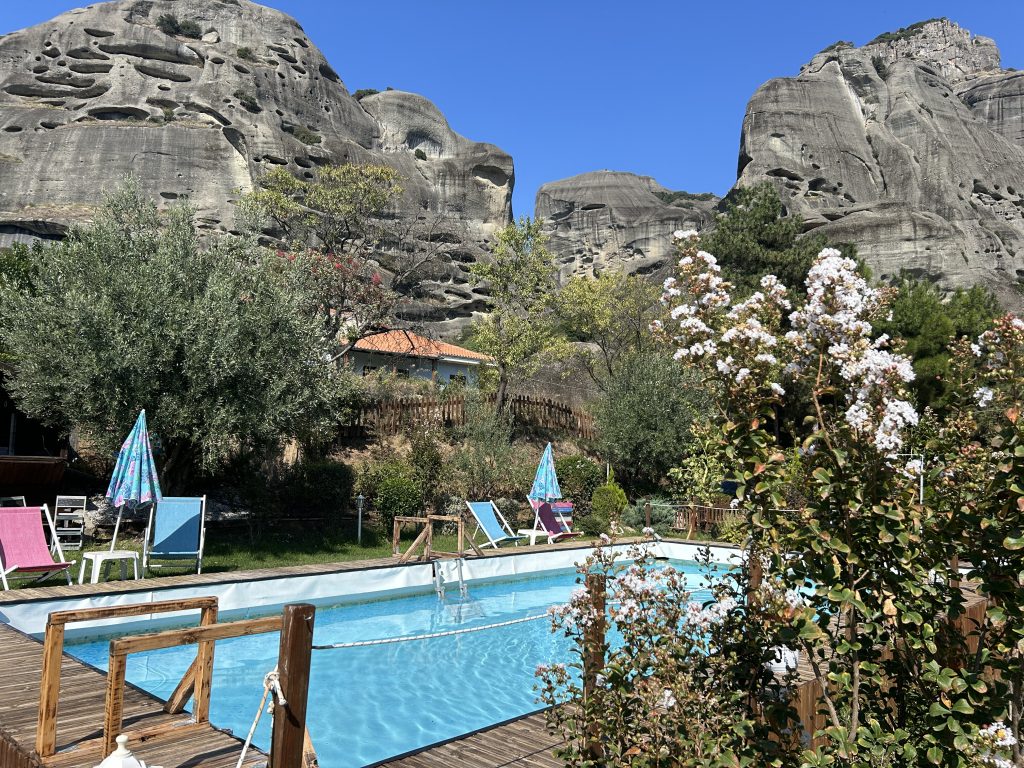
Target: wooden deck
{"points": [[521, 743], [80, 717]]}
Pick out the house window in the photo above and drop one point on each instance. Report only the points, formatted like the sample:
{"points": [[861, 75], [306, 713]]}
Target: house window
{"points": [[368, 369], [403, 372], [457, 378]]}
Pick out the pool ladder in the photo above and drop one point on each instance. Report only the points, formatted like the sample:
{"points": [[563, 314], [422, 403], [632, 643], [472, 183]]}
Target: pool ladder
{"points": [[439, 581]]}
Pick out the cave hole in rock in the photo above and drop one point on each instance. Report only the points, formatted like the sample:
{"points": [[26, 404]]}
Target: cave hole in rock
{"points": [[118, 113], [239, 68], [98, 32], [50, 124], [216, 60], [13, 129], [40, 69], [593, 206], [784, 173]]}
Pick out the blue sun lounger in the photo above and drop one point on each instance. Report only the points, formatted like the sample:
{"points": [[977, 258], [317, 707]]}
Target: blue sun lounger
{"points": [[177, 529], [494, 525]]}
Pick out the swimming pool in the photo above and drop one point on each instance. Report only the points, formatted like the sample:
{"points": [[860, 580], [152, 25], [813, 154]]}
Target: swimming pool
{"points": [[370, 703]]}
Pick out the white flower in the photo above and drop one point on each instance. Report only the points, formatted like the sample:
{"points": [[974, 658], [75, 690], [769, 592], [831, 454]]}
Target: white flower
{"points": [[605, 539], [913, 468], [647, 531], [600, 680], [684, 234], [777, 389], [998, 734], [983, 395], [976, 350], [668, 699], [734, 504]]}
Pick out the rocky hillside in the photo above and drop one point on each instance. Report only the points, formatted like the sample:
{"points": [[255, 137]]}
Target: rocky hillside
{"points": [[911, 146], [101, 91], [620, 220]]}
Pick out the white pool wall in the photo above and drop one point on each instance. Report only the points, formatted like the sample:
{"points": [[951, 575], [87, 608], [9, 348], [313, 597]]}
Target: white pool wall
{"points": [[239, 599]]}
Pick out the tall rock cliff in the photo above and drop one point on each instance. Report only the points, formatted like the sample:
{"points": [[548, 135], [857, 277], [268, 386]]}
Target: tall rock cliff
{"points": [[101, 91], [911, 147], [609, 219]]}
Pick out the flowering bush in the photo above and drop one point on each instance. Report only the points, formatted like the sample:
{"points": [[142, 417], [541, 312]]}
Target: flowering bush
{"points": [[686, 683], [874, 562]]}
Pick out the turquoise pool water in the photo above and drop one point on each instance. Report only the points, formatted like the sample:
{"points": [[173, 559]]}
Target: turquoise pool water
{"points": [[370, 703]]}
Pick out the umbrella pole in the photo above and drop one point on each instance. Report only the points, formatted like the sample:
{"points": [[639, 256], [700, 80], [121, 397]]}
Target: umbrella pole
{"points": [[117, 526]]}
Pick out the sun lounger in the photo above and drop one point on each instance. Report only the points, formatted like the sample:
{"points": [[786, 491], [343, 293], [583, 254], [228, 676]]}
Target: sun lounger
{"points": [[177, 529], [23, 547], [546, 523], [494, 525]]}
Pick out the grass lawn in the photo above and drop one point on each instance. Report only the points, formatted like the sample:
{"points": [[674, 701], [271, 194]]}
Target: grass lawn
{"points": [[233, 549]]}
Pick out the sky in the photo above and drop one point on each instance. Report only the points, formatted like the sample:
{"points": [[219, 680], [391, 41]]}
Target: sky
{"points": [[655, 87]]}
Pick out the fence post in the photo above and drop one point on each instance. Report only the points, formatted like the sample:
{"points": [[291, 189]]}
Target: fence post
{"points": [[647, 514], [49, 689], [593, 658], [289, 732]]}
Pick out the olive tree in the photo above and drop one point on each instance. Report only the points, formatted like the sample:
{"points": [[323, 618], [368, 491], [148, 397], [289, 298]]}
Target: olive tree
{"points": [[221, 343]]}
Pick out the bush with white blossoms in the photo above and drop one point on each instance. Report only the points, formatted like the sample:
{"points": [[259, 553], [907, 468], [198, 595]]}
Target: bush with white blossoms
{"points": [[870, 561], [681, 681]]}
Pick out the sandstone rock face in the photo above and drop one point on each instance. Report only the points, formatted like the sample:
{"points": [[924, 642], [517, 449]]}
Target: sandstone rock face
{"points": [[911, 147], [102, 91], [613, 220]]}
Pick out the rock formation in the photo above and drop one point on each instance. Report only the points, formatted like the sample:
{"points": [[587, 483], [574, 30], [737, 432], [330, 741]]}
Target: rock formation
{"points": [[608, 219], [104, 90], [911, 147]]}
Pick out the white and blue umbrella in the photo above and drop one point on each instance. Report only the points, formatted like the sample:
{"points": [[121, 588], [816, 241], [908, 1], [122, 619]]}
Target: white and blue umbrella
{"points": [[135, 482], [545, 482]]}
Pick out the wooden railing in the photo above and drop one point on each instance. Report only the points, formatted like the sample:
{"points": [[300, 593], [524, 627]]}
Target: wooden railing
{"points": [[53, 651], [390, 417], [290, 744]]}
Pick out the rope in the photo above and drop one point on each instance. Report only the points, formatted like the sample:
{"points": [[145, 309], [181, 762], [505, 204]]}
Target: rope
{"points": [[271, 684], [430, 636]]}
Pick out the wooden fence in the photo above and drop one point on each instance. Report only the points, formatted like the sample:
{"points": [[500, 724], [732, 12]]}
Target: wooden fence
{"points": [[389, 417]]}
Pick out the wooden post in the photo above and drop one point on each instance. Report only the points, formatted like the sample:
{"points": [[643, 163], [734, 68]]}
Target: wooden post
{"points": [[113, 712], [593, 656], [693, 522], [647, 514], [49, 690], [204, 669], [289, 731]]}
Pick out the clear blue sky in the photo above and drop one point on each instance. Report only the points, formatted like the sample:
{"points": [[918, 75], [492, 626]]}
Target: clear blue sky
{"points": [[567, 86]]}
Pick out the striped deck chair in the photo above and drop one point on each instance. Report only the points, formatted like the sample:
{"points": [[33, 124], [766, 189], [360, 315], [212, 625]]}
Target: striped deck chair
{"points": [[176, 531], [548, 524], [494, 525], [23, 547]]}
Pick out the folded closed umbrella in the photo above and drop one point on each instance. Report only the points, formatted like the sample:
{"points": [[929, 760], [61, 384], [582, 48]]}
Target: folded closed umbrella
{"points": [[545, 482], [135, 482]]}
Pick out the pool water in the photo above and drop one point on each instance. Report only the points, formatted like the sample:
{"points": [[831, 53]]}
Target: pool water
{"points": [[374, 702]]}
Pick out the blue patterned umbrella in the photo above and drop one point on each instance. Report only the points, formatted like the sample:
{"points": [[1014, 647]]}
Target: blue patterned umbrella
{"points": [[135, 482], [545, 482]]}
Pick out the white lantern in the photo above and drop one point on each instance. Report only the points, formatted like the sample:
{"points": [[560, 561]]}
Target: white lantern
{"points": [[122, 757]]}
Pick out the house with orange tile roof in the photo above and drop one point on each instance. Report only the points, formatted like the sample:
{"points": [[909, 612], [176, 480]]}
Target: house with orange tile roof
{"points": [[410, 354]]}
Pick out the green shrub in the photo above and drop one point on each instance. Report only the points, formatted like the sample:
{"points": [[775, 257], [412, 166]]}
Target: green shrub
{"points": [[169, 24], [594, 524], [426, 459], [248, 100], [608, 502], [245, 52], [420, 154], [880, 68], [663, 515], [578, 478], [316, 488], [397, 495], [362, 92], [303, 134]]}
